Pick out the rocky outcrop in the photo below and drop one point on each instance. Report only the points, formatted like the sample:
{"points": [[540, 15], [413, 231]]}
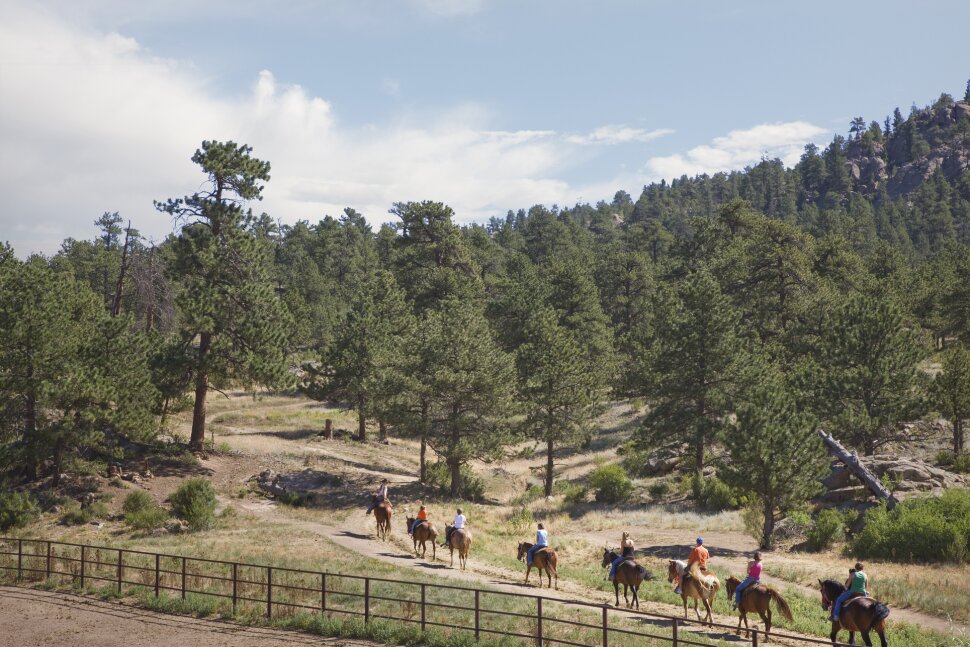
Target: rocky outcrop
{"points": [[303, 483], [908, 476]]}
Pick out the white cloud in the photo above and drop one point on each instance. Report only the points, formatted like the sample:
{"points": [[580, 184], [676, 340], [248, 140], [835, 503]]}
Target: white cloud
{"points": [[617, 134], [737, 149], [391, 87]]}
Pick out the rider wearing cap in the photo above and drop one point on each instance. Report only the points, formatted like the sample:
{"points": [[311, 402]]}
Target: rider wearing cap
{"points": [[699, 556], [380, 497]]}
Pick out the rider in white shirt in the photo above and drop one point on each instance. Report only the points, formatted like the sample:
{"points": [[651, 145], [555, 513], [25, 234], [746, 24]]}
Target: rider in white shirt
{"points": [[458, 524]]}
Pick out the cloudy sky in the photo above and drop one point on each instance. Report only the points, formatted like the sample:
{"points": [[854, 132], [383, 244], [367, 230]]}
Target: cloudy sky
{"points": [[484, 104]]}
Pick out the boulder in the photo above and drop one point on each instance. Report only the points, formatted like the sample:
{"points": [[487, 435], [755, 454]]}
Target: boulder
{"points": [[302, 483], [176, 526]]}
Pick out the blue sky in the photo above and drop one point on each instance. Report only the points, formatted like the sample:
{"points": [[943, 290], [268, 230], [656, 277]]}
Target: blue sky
{"points": [[485, 104]]}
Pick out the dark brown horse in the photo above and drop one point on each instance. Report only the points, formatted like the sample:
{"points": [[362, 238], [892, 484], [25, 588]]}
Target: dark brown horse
{"points": [[857, 614], [382, 513], [421, 534], [545, 559], [629, 574], [757, 599], [460, 540]]}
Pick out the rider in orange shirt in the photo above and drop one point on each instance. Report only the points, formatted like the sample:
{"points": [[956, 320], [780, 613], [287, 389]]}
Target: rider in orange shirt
{"points": [[699, 556]]}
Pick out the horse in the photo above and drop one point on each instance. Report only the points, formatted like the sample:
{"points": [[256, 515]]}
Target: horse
{"points": [[629, 574], [698, 586], [757, 598], [860, 614], [544, 559], [382, 514], [460, 540], [421, 534]]}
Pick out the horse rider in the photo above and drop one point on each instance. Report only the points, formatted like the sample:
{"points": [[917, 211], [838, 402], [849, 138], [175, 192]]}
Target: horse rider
{"points": [[699, 556], [421, 518], [457, 524], [542, 541], [626, 552], [858, 582], [754, 576], [380, 497]]}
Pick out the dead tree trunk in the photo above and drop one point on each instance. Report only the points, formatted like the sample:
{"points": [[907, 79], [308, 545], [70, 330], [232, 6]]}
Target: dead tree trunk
{"points": [[861, 472], [120, 285]]}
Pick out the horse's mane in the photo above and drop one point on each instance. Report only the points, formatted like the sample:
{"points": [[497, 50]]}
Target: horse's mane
{"points": [[832, 584]]}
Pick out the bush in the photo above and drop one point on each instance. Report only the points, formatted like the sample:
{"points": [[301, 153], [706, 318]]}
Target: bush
{"points": [[195, 502], [945, 457], [827, 528], [717, 495], [147, 518], [521, 521], [610, 484], [962, 463], [472, 486], [76, 516], [659, 489], [137, 501], [753, 517], [572, 493], [634, 459], [17, 509], [927, 529]]}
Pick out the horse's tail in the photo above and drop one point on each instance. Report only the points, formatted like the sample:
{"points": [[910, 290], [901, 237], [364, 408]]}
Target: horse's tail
{"points": [[695, 572], [879, 612], [782, 605], [644, 573]]}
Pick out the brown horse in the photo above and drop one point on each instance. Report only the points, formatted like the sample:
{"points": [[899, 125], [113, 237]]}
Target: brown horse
{"points": [[421, 534], [545, 559], [460, 540], [382, 514], [757, 599], [698, 586], [629, 574], [857, 614]]}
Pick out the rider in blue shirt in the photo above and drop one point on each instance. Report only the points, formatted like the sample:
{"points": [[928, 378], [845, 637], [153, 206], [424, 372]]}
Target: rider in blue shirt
{"points": [[542, 540]]}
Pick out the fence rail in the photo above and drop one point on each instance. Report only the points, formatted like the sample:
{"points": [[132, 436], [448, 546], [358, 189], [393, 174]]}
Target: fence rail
{"points": [[533, 619]]}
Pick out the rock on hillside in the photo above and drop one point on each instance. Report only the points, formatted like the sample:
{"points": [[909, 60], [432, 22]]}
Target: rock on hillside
{"points": [[909, 475]]}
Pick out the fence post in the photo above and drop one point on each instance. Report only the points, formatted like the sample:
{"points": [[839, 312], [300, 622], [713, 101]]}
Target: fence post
{"points": [[366, 599], [20, 559], [754, 638], [539, 621], [477, 615], [157, 573], [606, 628], [120, 566], [82, 566], [48, 573], [234, 580], [423, 617], [269, 592], [323, 592], [183, 578], [676, 624]]}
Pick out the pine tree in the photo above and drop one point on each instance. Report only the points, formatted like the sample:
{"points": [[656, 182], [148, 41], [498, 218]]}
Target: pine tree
{"points": [[72, 379], [559, 388], [950, 392], [867, 377], [773, 452], [225, 293], [692, 369], [470, 387], [358, 366]]}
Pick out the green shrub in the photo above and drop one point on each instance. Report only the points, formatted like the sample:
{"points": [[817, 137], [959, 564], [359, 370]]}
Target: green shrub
{"points": [[827, 528], [753, 518], [17, 509], [76, 516], [147, 518], [521, 521], [634, 460], [137, 501], [610, 484], [716, 495], [659, 489], [572, 493], [294, 499], [962, 463], [195, 502], [945, 457], [472, 486], [927, 529], [533, 492]]}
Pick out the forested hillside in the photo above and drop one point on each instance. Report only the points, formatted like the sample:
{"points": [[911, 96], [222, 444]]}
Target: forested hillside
{"points": [[745, 308]]}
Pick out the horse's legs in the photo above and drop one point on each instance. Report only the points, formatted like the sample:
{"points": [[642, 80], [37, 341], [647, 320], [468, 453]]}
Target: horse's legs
{"points": [[766, 618], [528, 569], [626, 598], [741, 616], [835, 632], [851, 637], [616, 591], [866, 639], [684, 598]]}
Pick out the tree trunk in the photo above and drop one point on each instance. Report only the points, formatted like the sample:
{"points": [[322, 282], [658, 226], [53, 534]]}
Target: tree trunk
{"points": [[30, 429], [120, 285], [453, 461], [860, 471], [455, 467], [150, 309], [698, 464], [361, 419], [769, 528], [423, 467], [58, 462], [382, 425], [550, 463], [328, 429], [197, 440]]}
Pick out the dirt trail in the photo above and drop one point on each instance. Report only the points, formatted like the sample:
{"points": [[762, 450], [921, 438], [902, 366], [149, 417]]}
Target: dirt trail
{"points": [[36, 618], [357, 535]]}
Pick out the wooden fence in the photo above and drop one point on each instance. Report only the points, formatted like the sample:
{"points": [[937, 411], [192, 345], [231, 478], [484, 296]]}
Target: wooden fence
{"points": [[276, 591]]}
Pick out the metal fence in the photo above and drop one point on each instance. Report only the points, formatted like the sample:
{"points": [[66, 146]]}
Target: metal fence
{"points": [[276, 591]]}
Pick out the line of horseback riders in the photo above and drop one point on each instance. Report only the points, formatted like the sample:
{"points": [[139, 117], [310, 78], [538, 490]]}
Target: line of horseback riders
{"points": [[852, 608]]}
